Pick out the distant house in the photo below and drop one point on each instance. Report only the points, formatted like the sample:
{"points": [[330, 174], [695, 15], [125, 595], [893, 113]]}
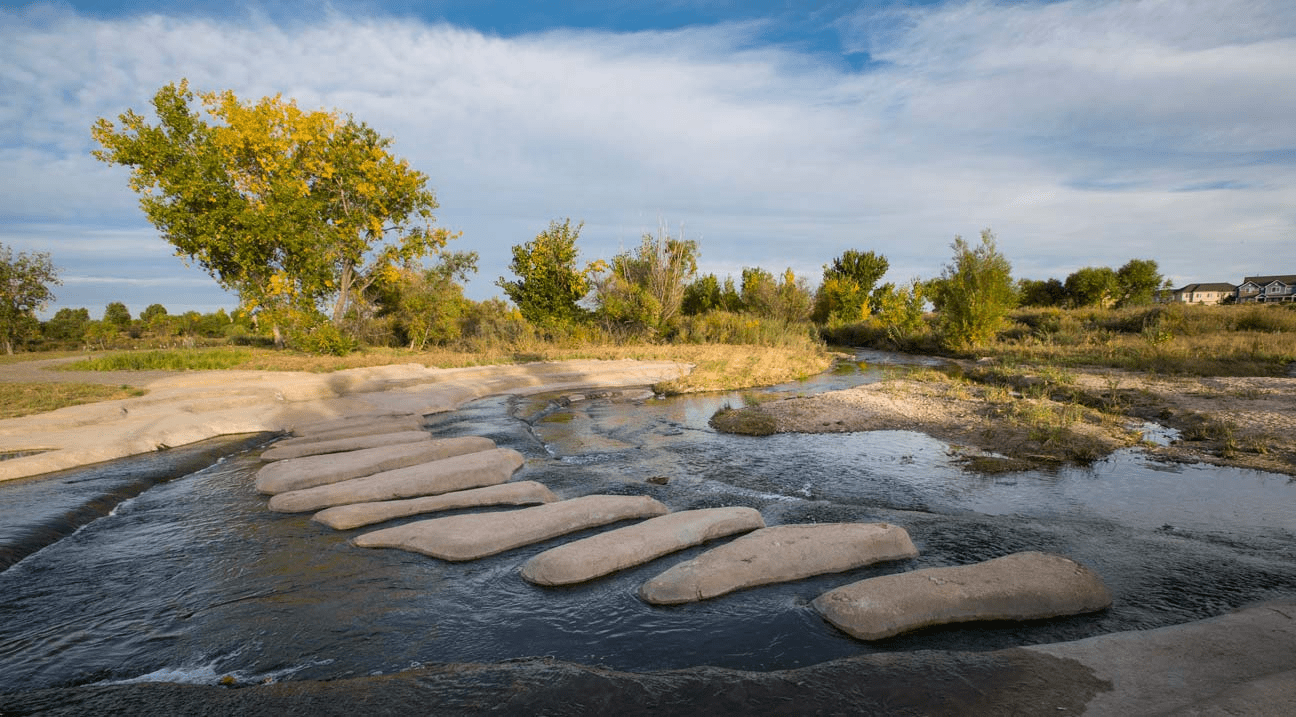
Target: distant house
{"points": [[1267, 289], [1203, 293]]}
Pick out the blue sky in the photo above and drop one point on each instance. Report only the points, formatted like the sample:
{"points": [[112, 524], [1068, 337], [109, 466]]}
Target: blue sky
{"points": [[776, 134]]}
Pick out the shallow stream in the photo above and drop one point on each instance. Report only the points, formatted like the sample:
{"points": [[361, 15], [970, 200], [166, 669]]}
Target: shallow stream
{"points": [[194, 580]]}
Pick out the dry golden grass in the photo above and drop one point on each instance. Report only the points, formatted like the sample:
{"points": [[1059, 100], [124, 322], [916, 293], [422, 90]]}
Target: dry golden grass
{"points": [[718, 367], [21, 399]]}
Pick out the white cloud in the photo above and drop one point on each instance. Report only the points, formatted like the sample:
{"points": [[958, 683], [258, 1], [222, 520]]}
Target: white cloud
{"points": [[1067, 127]]}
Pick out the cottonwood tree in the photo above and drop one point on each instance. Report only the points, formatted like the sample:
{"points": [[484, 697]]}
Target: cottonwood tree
{"points": [[787, 299], [1137, 282], [295, 210], [550, 282], [1091, 286], [25, 281], [847, 283], [973, 294], [426, 304], [117, 315], [1041, 292]]}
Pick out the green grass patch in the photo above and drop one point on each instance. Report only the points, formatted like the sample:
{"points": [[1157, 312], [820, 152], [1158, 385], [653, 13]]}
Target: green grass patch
{"points": [[169, 360], [23, 399]]}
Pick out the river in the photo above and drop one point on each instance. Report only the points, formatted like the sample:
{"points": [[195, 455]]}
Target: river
{"points": [[193, 580]]}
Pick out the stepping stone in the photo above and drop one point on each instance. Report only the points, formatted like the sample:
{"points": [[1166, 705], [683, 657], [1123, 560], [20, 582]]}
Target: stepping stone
{"points": [[1021, 586], [344, 517], [468, 537], [632, 545], [778, 554], [309, 471], [470, 470], [360, 428], [279, 452]]}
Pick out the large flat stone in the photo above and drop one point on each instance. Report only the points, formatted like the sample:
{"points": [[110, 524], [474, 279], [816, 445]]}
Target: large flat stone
{"points": [[618, 549], [778, 554], [310, 471], [354, 427], [345, 517], [1021, 586], [470, 470], [468, 537], [279, 452]]}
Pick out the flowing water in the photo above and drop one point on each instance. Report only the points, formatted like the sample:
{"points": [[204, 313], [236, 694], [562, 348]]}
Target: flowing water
{"points": [[193, 580]]}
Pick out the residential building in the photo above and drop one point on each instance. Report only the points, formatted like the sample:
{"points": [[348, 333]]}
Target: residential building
{"points": [[1267, 289], [1203, 293]]}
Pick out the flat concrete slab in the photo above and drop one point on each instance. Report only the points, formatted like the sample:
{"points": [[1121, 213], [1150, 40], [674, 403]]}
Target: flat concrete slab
{"points": [[310, 471], [468, 537], [778, 554], [1021, 586], [358, 426], [279, 452], [345, 517], [632, 545], [470, 470]]}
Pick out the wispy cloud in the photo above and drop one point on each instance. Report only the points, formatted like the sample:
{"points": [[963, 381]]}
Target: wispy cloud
{"points": [[1071, 128]]}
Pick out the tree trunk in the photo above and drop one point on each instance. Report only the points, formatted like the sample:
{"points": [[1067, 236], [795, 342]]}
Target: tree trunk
{"points": [[8, 347], [344, 290], [278, 336]]}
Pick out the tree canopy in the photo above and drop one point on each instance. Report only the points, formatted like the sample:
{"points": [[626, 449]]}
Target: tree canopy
{"points": [[973, 294], [295, 210], [644, 289], [1137, 282], [550, 284], [847, 283], [25, 281]]}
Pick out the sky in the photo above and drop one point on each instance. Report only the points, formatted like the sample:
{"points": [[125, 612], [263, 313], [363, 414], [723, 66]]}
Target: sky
{"points": [[775, 134]]}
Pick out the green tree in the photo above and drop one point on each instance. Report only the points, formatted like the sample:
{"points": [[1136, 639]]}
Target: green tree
{"points": [[67, 325], [973, 294], [847, 282], [1137, 282], [25, 281], [550, 285], [427, 304], [786, 298], [152, 313], [701, 296], [294, 210], [644, 289], [1091, 286], [900, 310], [117, 315], [1042, 293]]}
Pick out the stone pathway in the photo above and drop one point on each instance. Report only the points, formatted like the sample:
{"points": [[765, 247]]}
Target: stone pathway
{"points": [[378, 468]]}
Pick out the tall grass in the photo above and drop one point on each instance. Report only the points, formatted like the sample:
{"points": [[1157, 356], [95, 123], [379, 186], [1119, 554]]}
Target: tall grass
{"points": [[166, 360], [1252, 340]]}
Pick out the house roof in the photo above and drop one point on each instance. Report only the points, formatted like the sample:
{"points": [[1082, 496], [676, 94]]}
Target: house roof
{"points": [[1288, 279], [1218, 286]]}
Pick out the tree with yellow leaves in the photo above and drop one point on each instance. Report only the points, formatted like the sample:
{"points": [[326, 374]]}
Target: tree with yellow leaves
{"points": [[295, 210]]}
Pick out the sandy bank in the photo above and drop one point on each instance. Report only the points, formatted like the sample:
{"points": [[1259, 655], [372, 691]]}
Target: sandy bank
{"points": [[183, 408], [1247, 422]]}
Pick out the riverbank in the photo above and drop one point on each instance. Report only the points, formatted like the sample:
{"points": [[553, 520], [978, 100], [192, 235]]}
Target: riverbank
{"points": [[1016, 418], [186, 407]]}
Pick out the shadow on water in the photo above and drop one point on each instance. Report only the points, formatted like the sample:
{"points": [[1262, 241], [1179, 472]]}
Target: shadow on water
{"points": [[194, 580]]}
